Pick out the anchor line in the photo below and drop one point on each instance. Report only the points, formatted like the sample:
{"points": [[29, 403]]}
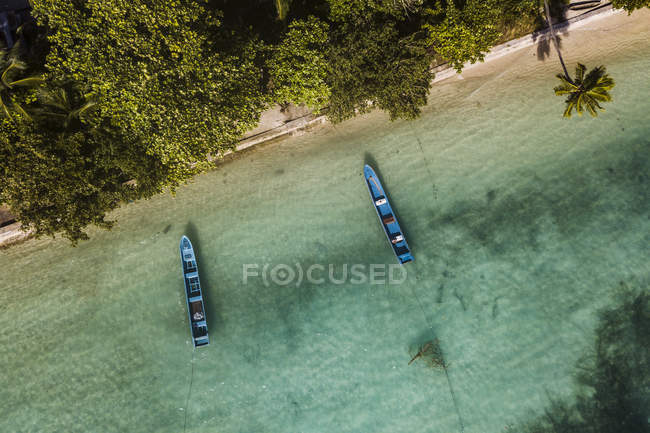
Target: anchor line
{"points": [[189, 392], [444, 365], [426, 164]]}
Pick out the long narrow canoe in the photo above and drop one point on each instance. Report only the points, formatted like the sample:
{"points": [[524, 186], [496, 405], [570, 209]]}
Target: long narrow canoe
{"points": [[387, 218], [195, 308]]}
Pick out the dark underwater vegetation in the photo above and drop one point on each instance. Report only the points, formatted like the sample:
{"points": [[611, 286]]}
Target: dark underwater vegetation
{"points": [[612, 379]]}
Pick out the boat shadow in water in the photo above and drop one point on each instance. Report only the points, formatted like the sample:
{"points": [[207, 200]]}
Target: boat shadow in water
{"points": [[404, 225], [212, 307]]}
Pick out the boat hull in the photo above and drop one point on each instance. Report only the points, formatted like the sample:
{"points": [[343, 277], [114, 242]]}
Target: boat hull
{"points": [[193, 294], [387, 218]]}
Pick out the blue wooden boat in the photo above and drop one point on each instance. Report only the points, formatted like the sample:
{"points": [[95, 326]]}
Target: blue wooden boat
{"points": [[387, 218], [195, 308]]}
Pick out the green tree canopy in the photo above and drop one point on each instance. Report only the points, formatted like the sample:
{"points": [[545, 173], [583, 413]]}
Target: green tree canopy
{"points": [[378, 58], [631, 5], [16, 87], [123, 99], [298, 65], [461, 35], [61, 175], [163, 72]]}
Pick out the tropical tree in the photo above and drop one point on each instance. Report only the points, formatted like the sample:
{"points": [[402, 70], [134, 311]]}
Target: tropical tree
{"points": [[12, 82], [65, 102], [378, 58], [282, 8], [585, 92], [461, 35], [146, 90], [630, 5], [298, 65], [168, 75], [59, 180]]}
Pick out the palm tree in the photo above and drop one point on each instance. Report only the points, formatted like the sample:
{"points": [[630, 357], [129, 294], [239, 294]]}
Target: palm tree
{"points": [[282, 8], [585, 91], [10, 64], [65, 103]]}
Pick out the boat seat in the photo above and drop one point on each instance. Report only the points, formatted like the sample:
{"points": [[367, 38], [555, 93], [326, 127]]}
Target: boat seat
{"points": [[401, 250], [388, 219], [201, 341], [397, 238], [380, 201]]}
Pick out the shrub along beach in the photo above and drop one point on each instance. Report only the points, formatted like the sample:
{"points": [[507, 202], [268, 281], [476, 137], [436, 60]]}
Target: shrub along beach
{"points": [[108, 101]]}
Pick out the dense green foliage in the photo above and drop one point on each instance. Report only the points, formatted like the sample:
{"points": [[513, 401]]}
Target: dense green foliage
{"points": [[164, 92], [631, 5], [118, 100], [585, 92], [60, 174], [298, 66], [61, 182], [163, 75], [464, 35], [376, 60], [15, 86]]}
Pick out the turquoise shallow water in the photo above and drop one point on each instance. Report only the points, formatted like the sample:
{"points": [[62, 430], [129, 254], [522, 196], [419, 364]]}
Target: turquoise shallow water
{"points": [[522, 225]]}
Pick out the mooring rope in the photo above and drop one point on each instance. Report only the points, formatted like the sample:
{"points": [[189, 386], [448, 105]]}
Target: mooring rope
{"points": [[444, 363], [426, 164], [189, 392]]}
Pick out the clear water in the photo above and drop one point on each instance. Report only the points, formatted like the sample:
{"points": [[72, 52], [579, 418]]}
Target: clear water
{"points": [[522, 225]]}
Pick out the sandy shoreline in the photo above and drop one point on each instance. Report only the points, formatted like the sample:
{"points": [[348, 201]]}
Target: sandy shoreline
{"points": [[12, 233]]}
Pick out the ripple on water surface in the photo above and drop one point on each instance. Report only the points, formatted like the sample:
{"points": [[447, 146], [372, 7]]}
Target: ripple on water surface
{"points": [[523, 225]]}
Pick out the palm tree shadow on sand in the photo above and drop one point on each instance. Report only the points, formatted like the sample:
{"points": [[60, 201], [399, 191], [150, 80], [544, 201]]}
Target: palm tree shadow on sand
{"points": [[212, 308], [544, 46], [542, 38]]}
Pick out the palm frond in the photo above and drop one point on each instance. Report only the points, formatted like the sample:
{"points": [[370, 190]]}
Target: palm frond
{"points": [[568, 109], [27, 82], [564, 89], [596, 73], [579, 104], [63, 95], [606, 82], [585, 92], [580, 72], [5, 109], [22, 111], [591, 108], [282, 8], [5, 75], [600, 95], [81, 110]]}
